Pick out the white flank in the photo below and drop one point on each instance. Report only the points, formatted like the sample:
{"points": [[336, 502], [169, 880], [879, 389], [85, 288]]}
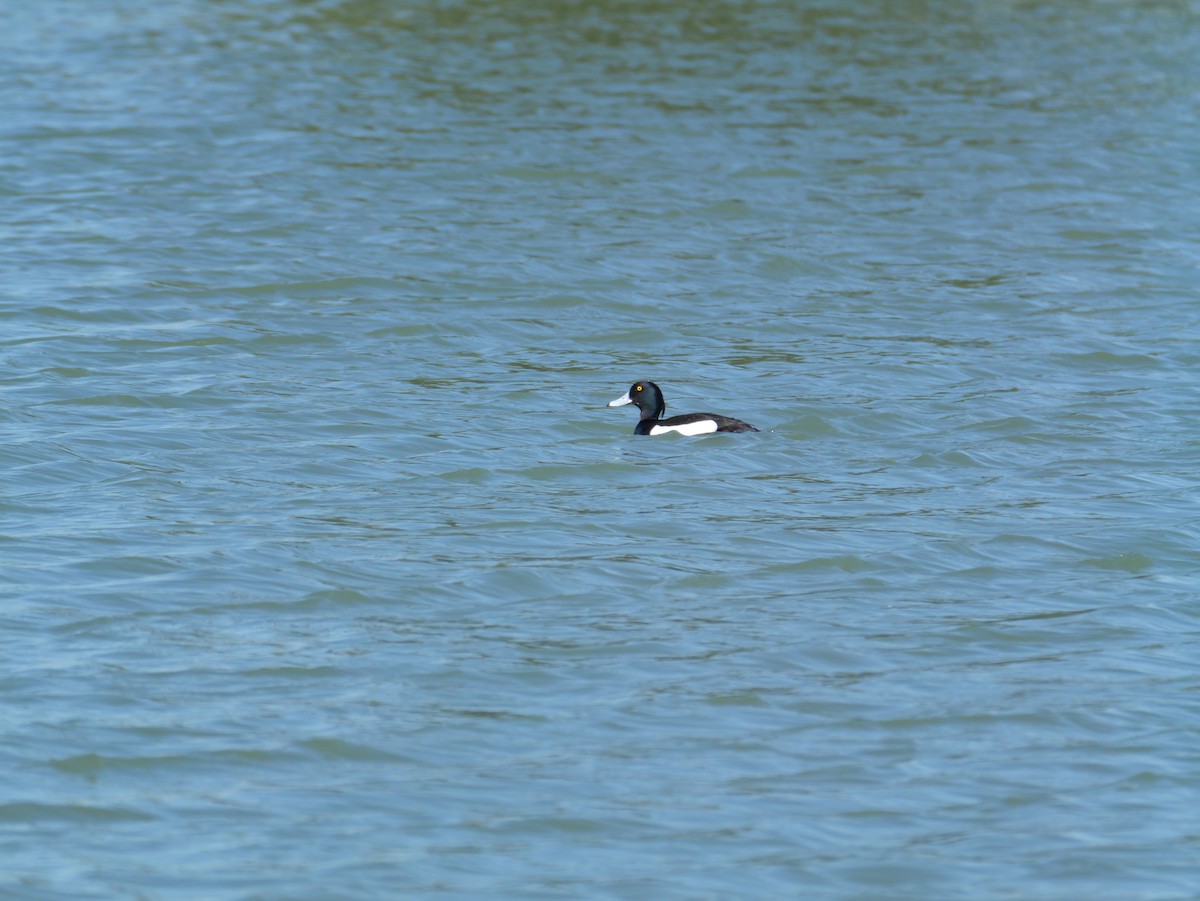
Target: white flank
{"points": [[703, 427], [621, 401]]}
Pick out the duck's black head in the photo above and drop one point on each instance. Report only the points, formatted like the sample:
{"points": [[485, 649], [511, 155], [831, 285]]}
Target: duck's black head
{"points": [[647, 397]]}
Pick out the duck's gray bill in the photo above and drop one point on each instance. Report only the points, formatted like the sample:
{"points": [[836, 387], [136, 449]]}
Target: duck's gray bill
{"points": [[621, 401]]}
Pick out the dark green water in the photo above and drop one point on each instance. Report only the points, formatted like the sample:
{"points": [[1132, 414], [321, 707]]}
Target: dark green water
{"points": [[326, 573]]}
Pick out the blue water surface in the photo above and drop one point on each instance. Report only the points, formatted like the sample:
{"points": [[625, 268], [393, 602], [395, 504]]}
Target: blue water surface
{"points": [[327, 573]]}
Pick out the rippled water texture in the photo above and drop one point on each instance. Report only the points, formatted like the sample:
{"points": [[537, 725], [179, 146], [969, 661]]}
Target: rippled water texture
{"points": [[326, 572]]}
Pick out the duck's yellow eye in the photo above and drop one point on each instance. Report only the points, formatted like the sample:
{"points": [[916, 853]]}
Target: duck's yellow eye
{"points": [[637, 388]]}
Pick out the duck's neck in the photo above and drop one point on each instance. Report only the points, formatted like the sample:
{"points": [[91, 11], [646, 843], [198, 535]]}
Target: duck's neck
{"points": [[654, 414]]}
